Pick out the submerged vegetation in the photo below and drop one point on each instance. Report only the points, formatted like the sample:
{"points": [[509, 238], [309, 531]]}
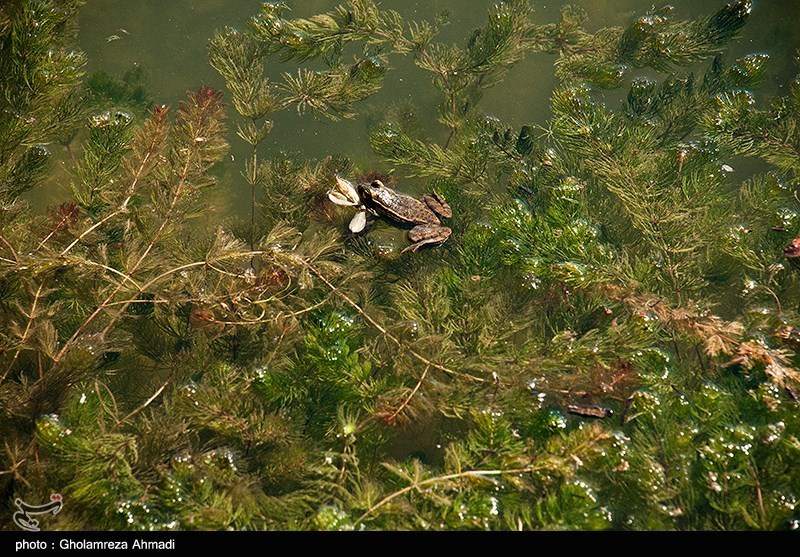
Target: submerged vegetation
{"points": [[608, 339]]}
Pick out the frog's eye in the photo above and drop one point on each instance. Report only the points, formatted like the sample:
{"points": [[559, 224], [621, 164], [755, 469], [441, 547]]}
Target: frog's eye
{"points": [[377, 184]]}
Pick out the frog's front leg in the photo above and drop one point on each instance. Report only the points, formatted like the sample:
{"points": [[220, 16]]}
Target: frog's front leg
{"points": [[427, 235]]}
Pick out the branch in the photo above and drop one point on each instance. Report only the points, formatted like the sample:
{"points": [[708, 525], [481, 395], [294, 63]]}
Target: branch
{"points": [[449, 372], [409, 397], [11, 248], [89, 230], [31, 316], [437, 479], [148, 401]]}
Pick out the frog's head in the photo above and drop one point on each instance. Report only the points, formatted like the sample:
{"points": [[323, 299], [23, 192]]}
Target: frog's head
{"points": [[367, 191]]}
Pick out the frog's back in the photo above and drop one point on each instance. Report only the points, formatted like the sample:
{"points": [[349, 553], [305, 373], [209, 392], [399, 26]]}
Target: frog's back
{"points": [[402, 208]]}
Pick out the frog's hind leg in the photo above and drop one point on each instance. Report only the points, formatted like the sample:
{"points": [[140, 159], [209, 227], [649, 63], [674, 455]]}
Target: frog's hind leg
{"points": [[426, 235], [437, 204]]}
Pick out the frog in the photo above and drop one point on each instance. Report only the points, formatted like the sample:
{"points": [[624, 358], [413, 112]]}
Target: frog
{"points": [[422, 215]]}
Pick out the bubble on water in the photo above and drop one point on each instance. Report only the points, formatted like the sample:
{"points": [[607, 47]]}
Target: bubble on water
{"points": [[774, 432], [260, 372], [531, 281], [787, 217], [749, 286]]}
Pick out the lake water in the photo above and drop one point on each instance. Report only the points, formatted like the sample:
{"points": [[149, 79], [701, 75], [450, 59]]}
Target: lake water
{"points": [[169, 41]]}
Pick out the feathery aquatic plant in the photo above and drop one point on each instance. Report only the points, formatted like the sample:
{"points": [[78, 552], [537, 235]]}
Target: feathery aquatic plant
{"points": [[608, 339]]}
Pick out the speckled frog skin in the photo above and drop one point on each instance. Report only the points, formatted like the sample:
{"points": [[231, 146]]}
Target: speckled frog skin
{"points": [[422, 214]]}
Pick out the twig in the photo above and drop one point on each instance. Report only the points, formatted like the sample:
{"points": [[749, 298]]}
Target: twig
{"points": [[299, 311], [205, 262], [760, 498], [57, 227], [147, 402], [449, 372], [89, 230], [11, 248], [681, 158], [410, 396], [15, 465], [253, 183], [345, 452], [278, 316], [274, 352], [771, 292], [417, 485], [115, 413], [158, 301], [25, 333], [258, 319], [110, 270], [222, 271]]}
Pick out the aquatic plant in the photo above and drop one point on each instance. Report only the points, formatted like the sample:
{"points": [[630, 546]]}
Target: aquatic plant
{"points": [[608, 340]]}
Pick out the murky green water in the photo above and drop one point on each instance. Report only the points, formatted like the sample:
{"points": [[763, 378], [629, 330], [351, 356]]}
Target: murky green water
{"points": [[169, 41], [676, 440]]}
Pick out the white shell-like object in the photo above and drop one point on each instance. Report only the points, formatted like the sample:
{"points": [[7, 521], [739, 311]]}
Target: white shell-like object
{"points": [[358, 222], [344, 193]]}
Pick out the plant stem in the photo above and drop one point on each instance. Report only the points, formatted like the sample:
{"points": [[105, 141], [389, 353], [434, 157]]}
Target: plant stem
{"points": [[253, 182], [387, 334], [437, 479], [178, 191], [31, 317]]}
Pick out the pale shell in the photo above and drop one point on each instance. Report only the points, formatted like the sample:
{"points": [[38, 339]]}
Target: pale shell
{"points": [[358, 222], [344, 193]]}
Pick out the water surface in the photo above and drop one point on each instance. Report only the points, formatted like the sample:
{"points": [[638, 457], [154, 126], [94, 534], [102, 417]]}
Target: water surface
{"points": [[169, 41]]}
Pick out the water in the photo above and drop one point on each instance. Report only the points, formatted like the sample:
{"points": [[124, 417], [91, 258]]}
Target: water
{"points": [[169, 41]]}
